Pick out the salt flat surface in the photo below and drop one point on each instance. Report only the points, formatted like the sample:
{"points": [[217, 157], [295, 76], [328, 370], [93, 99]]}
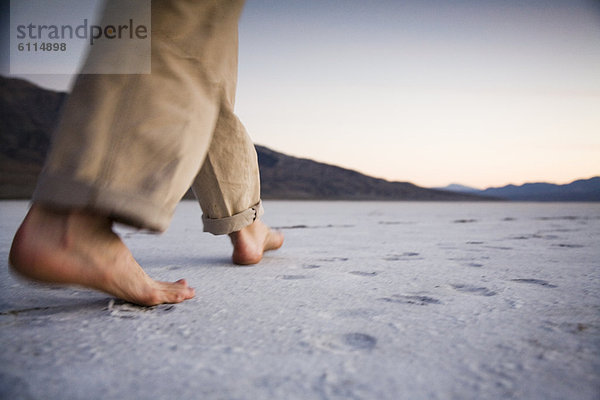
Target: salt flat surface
{"points": [[365, 301]]}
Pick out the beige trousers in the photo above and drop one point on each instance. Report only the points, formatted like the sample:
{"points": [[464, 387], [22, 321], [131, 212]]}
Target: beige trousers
{"points": [[129, 146]]}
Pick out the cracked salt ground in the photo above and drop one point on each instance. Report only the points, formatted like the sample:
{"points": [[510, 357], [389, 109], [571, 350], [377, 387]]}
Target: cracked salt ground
{"points": [[123, 309], [382, 301]]}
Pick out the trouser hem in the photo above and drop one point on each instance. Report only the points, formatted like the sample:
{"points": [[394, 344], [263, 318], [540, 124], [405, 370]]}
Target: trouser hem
{"points": [[227, 225], [63, 193]]}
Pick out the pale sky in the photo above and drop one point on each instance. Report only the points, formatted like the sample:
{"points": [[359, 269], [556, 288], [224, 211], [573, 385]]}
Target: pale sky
{"points": [[482, 93]]}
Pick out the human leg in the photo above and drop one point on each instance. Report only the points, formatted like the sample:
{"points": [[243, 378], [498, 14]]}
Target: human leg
{"points": [[126, 149], [228, 184], [228, 189]]}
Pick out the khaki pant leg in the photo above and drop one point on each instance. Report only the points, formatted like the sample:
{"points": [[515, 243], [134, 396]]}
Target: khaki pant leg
{"points": [[129, 146], [228, 185]]}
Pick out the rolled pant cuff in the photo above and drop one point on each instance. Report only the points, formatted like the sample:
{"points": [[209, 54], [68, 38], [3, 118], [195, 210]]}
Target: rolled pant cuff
{"points": [[227, 225], [63, 193]]}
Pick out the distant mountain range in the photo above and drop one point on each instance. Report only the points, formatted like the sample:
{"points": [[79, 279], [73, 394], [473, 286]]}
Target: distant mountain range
{"points": [[456, 187], [28, 114], [579, 190]]}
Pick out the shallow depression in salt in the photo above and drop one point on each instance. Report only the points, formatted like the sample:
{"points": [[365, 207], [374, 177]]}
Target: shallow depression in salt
{"points": [[366, 300]]}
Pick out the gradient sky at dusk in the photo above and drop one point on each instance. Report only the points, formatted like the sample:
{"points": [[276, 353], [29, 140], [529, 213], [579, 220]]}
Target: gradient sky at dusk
{"points": [[482, 93]]}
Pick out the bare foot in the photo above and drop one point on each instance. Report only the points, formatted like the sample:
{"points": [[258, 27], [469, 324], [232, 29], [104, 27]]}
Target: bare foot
{"points": [[82, 249], [251, 242]]}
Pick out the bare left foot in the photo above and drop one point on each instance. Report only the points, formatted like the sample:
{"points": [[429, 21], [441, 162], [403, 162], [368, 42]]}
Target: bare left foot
{"points": [[250, 243], [79, 248]]}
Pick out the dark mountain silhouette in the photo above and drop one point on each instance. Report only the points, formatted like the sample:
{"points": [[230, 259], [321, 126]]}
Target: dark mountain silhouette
{"points": [[289, 177], [579, 190], [27, 117], [29, 113]]}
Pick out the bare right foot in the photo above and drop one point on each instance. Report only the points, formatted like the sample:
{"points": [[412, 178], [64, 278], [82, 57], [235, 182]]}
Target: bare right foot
{"points": [[250, 243], [81, 249]]}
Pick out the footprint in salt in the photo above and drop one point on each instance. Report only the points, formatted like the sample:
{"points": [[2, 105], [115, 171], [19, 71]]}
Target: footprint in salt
{"points": [[406, 256], [342, 344], [363, 273], [359, 341], [411, 299], [569, 246], [311, 266], [474, 265], [534, 282], [476, 290]]}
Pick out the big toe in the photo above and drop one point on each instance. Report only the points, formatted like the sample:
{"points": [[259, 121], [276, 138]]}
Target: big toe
{"points": [[170, 292]]}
